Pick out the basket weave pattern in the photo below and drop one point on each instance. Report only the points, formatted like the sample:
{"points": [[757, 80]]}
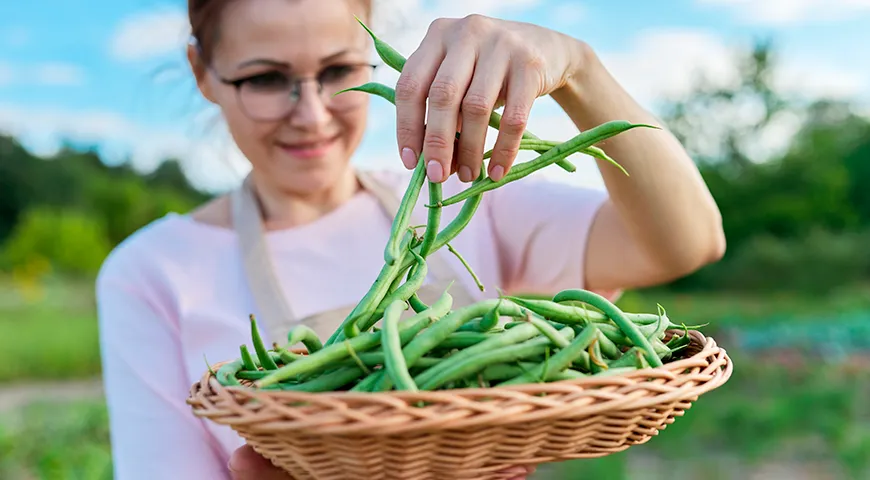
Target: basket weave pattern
{"points": [[463, 433]]}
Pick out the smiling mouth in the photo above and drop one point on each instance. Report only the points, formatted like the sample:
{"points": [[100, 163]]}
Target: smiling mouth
{"points": [[308, 149]]}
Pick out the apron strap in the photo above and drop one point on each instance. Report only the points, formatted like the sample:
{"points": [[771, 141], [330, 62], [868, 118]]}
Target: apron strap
{"points": [[262, 280]]}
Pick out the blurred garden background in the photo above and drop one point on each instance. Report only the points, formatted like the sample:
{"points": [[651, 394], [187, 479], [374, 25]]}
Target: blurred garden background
{"points": [[790, 301]]}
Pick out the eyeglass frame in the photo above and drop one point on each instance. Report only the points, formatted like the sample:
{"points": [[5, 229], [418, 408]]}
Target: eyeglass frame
{"points": [[296, 89]]}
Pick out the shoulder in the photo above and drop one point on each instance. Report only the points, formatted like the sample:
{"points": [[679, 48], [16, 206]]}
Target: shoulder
{"points": [[170, 241]]}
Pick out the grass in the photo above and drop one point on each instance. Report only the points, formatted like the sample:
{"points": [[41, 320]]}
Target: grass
{"points": [[51, 442], [52, 338]]}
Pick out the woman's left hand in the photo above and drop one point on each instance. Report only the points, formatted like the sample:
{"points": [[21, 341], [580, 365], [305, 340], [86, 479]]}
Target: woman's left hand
{"points": [[466, 68]]}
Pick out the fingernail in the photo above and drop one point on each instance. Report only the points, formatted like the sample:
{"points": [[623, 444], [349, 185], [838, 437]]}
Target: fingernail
{"points": [[409, 158], [434, 171], [464, 174], [497, 173]]}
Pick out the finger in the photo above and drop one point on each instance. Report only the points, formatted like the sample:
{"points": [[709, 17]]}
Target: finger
{"points": [[247, 464], [411, 92], [522, 90], [445, 98], [477, 106]]}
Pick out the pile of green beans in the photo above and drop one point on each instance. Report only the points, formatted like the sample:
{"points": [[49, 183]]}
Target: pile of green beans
{"points": [[507, 340]]}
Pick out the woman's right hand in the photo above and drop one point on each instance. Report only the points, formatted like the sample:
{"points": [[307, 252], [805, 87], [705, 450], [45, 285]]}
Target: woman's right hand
{"points": [[246, 464]]}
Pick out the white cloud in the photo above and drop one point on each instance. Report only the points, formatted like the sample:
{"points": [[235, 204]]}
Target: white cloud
{"points": [[49, 73], [150, 34], [666, 62], [791, 12]]}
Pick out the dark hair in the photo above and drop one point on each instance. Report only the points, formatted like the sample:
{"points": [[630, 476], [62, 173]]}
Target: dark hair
{"points": [[204, 16]]}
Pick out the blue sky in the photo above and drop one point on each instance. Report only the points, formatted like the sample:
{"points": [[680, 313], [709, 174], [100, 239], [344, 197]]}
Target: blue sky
{"points": [[114, 74]]}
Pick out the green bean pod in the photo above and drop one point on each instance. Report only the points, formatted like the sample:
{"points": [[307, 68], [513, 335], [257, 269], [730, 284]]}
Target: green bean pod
{"points": [[247, 361], [265, 360], [388, 54], [394, 362], [583, 140], [305, 335], [324, 383], [432, 221], [630, 329], [403, 215]]}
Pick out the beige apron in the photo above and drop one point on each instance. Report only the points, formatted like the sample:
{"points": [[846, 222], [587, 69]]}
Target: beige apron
{"points": [[275, 316]]}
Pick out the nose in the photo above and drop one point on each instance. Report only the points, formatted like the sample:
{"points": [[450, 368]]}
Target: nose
{"points": [[309, 113]]}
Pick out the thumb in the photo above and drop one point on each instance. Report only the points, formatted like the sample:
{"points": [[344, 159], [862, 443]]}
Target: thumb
{"points": [[247, 464]]}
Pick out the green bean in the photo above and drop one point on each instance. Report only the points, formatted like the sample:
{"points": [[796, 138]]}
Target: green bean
{"points": [[526, 144], [416, 304], [495, 122], [561, 360], [403, 293], [247, 361], [226, 374], [627, 358], [370, 383], [463, 340], [547, 330], [265, 360], [432, 221], [339, 351], [403, 215], [305, 335], [576, 144], [608, 347], [630, 329], [490, 318], [387, 53], [394, 362], [462, 219], [324, 383], [476, 363], [284, 355]]}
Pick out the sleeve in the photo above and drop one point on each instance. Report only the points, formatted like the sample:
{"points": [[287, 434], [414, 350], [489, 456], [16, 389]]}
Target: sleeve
{"points": [[541, 229], [153, 432]]}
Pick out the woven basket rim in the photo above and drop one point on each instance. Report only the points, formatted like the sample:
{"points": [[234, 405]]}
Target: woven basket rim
{"points": [[391, 412]]}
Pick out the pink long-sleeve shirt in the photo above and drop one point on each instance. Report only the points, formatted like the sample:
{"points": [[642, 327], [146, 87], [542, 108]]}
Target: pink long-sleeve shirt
{"points": [[175, 291]]}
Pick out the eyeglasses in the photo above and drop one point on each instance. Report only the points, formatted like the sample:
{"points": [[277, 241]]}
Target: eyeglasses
{"points": [[273, 95]]}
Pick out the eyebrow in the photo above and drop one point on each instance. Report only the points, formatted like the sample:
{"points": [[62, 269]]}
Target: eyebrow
{"points": [[286, 65]]}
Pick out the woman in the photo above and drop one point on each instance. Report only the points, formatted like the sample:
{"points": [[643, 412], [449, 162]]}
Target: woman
{"points": [[302, 238]]}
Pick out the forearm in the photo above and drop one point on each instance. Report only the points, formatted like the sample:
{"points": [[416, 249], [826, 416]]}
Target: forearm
{"points": [[663, 203]]}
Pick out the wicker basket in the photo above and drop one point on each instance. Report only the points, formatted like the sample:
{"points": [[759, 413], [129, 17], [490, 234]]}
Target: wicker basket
{"points": [[465, 433]]}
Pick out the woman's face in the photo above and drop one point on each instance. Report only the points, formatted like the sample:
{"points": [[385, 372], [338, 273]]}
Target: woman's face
{"points": [[297, 140]]}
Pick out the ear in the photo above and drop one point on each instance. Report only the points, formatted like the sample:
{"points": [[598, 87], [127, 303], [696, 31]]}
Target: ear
{"points": [[200, 72]]}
